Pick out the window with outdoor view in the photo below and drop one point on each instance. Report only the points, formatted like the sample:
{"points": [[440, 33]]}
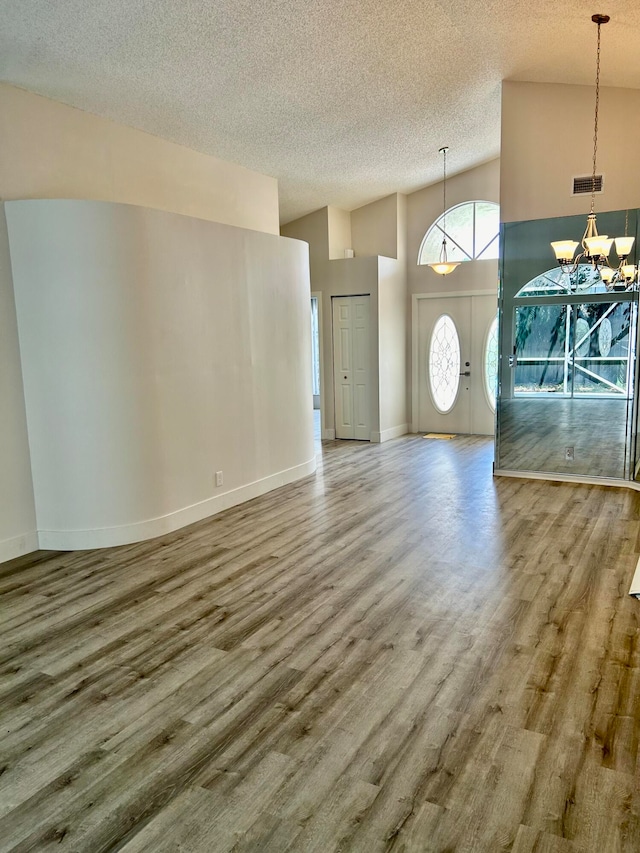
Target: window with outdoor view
{"points": [[472, 230]]}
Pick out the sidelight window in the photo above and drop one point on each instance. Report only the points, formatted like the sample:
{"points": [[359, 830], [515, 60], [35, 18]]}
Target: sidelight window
{"points": [[491, 363]]}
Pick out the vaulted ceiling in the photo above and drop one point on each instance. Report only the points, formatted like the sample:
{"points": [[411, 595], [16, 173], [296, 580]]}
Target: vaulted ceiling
{"points": [[343, 101]]}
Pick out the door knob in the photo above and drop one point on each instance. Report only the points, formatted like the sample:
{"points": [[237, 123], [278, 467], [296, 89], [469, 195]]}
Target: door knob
{"points": [[466, 373]]}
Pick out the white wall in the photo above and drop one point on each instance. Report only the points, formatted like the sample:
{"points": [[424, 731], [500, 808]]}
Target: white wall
{"points": [[339, 222], [157, 349], [392, 337], [17, 509], [327, 231], [547, 139], [50, 150], [393, 312], [313, 229], [374, 228]]}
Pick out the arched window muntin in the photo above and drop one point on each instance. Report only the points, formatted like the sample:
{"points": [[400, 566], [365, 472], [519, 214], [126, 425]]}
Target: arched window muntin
{"points": [[472, 229], [583, 280]]}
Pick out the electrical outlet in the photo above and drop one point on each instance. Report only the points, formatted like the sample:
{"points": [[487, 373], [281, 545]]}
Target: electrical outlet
{"points": [[218, 478], [569, 455]]}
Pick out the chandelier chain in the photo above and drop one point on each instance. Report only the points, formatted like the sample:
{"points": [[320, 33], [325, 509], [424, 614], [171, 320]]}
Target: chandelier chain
{"points": [[596, 247], [444, 189], [595, 126]]}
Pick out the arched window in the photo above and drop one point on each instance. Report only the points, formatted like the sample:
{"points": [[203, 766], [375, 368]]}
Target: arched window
{"points": [[472, 230], [585, 279]]}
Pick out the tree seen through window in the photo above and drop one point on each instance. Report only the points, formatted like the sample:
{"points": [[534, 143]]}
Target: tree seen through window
{"points": [[472, 231]]}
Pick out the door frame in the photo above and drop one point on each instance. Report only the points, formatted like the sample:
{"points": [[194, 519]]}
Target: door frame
{"points": [[447, 294], [317, 294], [371, 367]]}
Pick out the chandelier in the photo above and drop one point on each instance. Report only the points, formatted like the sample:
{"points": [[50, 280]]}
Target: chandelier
{"points": [[444, 265], [597, 247]]}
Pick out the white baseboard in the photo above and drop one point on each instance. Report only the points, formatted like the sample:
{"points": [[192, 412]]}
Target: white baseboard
{"points": [[569, 478], [18, 545], [392, 432], [106, 537], [328, 435]]}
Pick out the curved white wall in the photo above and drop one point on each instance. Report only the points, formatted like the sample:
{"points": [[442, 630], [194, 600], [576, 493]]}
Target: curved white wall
{"points": [[157, 349], [17, 508]]}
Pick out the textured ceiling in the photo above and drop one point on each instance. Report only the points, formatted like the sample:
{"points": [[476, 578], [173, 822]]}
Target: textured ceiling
{"points": [[343, 101]]}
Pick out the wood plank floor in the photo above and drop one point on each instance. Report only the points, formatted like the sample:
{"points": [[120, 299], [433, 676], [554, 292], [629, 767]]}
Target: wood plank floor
{"points": [[399, 653]]}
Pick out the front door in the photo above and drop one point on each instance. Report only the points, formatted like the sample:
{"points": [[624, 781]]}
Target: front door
{"points": [[453, 394]]}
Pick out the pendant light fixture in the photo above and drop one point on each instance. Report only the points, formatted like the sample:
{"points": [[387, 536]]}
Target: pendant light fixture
{"points": [[444, 265], [596, 247]]}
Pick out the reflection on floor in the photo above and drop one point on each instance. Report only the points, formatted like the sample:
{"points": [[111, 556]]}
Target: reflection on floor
{"points": [[535, 433]]}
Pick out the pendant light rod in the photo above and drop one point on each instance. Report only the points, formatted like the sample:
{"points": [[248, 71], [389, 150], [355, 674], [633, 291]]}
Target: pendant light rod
{"points": [[599, 20], [443, 151], [444, 265]]}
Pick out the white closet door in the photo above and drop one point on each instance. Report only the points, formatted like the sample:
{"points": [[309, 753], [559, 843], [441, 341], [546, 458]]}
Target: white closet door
{"points": [[351, 371]]}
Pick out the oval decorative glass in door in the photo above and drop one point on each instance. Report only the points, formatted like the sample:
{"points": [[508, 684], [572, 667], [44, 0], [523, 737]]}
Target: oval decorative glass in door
{"points": [[491, 363], [605, 337], [444, 363], [582, 337]]}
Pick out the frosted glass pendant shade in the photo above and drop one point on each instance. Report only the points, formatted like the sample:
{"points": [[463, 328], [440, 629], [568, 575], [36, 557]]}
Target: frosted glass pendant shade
{"points": [[598, 246], [564, 249], [624, 246], [444, 268], [628, 272], [606, 274], [607, 243]]}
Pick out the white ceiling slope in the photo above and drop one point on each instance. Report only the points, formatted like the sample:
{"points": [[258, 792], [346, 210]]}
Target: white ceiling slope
{"points": [[343, 101]]}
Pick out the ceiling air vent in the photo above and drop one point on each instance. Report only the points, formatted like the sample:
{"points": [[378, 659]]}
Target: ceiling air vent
{"points": [[582, 185]]}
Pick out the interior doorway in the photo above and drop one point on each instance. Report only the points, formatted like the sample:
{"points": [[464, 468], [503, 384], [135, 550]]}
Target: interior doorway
{"points": [[316, 364], [315, 352]]}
